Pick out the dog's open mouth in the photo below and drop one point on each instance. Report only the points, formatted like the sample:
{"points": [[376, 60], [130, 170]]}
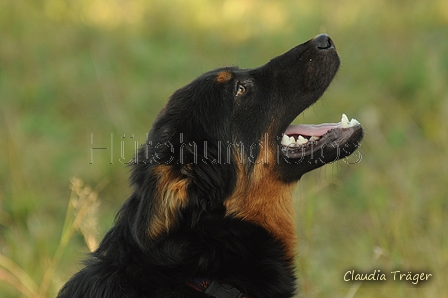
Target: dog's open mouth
{"points": [[301, 140]]}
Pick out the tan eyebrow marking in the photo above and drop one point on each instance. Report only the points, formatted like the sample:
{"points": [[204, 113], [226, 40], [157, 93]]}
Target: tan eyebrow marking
{"points": [[224, 76]]}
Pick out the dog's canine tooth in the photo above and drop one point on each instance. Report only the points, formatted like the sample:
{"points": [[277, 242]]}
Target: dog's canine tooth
{"points": [[346, 124], [344, 121]]}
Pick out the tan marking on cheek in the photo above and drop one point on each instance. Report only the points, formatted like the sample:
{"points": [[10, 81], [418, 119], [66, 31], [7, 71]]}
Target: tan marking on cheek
{"points": [[171, 197], [260, 197], [224, 76]]}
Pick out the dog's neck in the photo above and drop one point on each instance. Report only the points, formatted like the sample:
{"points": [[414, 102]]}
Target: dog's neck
{"points": [[266, 201]]}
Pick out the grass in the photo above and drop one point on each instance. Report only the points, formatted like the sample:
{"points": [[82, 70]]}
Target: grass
{"points": [[81, 217], [72, 69]]}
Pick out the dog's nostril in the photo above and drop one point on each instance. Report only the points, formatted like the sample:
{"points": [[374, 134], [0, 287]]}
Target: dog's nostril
{"points": [[323, 41]]}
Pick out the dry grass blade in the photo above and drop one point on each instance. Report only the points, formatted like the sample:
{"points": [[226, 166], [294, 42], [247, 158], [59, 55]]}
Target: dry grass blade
{"points": [[18, 278], [81, 216]]}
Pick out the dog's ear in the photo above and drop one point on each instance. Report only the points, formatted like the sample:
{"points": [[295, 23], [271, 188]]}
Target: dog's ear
{"points": [[164, 194], [170, 196]]}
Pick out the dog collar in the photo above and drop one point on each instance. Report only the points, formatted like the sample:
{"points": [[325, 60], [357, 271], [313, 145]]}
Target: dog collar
{"points": [[215, 289]]}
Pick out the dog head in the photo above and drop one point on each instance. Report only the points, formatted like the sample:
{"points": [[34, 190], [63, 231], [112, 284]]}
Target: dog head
{"points": [[223, 144]]}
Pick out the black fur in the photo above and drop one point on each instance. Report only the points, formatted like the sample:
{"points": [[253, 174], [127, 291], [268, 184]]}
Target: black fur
{"points": [[194, 154]]}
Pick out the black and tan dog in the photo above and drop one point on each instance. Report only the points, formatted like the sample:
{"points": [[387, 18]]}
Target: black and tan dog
{"points": [[211, 213]]}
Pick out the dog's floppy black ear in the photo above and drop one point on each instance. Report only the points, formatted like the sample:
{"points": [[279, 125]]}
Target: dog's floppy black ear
{"points": [[163, 192], [170, 197]]}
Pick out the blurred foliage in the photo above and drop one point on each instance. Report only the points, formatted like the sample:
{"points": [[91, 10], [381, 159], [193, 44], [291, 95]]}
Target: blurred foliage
{"points": [[94, 73]]}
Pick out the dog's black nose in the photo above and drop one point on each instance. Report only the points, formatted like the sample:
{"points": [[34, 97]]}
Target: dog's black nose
{"points": [[323, 41]]}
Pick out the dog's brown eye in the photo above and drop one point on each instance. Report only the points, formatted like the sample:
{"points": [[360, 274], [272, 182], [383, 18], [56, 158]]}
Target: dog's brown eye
{"points": [[240, 89]]}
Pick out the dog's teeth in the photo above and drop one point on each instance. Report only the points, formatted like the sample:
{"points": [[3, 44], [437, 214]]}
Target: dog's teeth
{"points": [[346, 124], [291, 142], [285, 140], [301, 140], [354, 122], [344, 121], [313, 138]]}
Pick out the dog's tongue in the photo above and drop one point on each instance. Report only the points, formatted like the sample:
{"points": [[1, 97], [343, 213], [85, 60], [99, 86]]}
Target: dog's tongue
{"points": [[316, 130]]}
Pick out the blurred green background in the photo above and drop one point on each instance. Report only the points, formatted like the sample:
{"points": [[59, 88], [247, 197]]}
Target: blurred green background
{"points": [[94, 73]]}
